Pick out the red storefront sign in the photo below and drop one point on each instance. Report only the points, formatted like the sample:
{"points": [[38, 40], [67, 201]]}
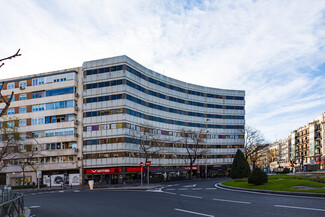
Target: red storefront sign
{"points": [[98, 171], [189, 168]]}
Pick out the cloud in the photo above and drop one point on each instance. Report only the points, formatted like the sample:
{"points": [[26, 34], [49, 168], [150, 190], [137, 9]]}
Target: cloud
{"points": [[271, 49]]}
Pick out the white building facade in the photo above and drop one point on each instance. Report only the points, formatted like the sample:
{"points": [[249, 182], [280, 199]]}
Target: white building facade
{"points": [[123, 99]]}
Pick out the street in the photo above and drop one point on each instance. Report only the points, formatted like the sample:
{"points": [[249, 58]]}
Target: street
{"points": [[188, 198]]}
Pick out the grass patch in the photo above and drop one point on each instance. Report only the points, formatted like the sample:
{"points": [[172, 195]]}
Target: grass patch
{"points": [[282, 183]]}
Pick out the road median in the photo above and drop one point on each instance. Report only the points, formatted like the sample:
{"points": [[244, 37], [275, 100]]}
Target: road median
{"points": [[273, 192]]}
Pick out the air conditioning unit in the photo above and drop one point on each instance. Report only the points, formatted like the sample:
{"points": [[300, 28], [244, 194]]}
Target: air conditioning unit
{"points": [[76, 135], [76, 150], [76, 108], [76, 122], [22, 87], [77, 94]]}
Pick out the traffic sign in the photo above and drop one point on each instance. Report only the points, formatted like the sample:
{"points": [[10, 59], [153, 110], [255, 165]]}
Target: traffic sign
{"points": [[148, 163], [39, 174], [312, 161], [141, 164]]}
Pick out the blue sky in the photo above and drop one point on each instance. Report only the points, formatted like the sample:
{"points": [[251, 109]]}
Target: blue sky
{"points": [[274, 50]]}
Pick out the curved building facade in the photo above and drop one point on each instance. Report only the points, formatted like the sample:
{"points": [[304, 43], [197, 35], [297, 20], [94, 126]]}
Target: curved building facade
{"points": [[132, 114]]}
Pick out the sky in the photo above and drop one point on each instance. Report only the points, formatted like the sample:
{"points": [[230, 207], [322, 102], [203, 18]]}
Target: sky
{"points": [[274, 50]]}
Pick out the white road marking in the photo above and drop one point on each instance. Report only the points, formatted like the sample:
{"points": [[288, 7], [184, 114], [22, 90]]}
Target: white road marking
{"points": [[196, 188], [232, 201], [185, 195], [189, 186], [169, 193], [210, 189], [278, 195], [61, 191], [295, 207], [33, 207], [195, 213], [170, 189], [172, 185], [76, 191], [182, 189]]}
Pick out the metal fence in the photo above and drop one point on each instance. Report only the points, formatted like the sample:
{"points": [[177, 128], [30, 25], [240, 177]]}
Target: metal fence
{"points": [[13, 207], [5, 193]]}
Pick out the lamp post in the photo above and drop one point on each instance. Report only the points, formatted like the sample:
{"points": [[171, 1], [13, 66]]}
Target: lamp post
{"points": [[206, 154], [38, 162]]}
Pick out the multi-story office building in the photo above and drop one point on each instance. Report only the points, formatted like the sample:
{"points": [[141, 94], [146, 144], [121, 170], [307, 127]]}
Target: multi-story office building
{"points": [[307, 143], [123, 100], [45, 112], [99, 121]]}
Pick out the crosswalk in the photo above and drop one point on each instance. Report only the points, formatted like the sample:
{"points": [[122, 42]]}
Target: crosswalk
{"points": [[192, 187]]}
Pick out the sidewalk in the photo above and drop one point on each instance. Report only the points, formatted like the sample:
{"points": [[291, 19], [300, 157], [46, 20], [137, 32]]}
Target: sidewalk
{"points": [[313, 174]]}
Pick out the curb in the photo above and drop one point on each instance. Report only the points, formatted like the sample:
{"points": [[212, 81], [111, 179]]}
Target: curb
{"points": [[127, 188], [275, 192]]}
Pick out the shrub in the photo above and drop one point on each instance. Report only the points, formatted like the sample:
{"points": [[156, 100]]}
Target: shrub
{"points": [[286, 170], [257, 177], [240, 167]]}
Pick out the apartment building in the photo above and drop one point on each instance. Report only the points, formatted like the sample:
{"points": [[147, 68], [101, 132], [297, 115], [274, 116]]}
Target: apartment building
{"points": [[307, 143], [46, 112], [123, 101], [90, 122]]}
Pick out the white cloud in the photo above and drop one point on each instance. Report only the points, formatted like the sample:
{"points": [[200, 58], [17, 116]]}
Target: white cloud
{"points": [[271, 49]]}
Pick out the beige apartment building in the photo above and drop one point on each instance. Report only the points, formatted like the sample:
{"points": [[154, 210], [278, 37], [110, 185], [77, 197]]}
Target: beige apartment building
{"points": [[307, 143], [46, 111]]}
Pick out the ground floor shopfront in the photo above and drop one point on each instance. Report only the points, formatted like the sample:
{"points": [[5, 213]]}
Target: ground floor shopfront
{"points": [[133, 174], [156, 174]]}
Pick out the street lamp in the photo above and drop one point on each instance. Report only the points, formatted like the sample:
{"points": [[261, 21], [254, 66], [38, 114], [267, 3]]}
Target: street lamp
{"points": [[206, 154], [38, 162]]}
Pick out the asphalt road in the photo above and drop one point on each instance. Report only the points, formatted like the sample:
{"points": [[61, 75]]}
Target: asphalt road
{"points": [[195, 198]]}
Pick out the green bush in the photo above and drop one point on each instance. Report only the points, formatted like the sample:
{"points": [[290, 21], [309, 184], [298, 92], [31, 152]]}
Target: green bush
{"points": [[257, 177], [286, 170], [240, 167]]}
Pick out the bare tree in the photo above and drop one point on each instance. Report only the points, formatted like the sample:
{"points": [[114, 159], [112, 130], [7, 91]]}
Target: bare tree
{"points": [[28, 159], [254, 141], [193, 142], [8, 100], [10, 138], [149, 141]]}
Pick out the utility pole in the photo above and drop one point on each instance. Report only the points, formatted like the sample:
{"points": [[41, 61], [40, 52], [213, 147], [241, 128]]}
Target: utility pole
{"points": [[206, 154]]}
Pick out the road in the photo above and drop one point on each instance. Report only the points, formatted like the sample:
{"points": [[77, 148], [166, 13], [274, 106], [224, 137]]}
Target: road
{"points": [[195, 198]]}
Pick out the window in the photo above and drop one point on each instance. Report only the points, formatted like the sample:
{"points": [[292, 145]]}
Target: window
{"points": [[11, 111], [22, 110], [22, 97], [11, 85], [11, 124], [36, 108], [37, 81], [61, 91], [22, 123], [13, 98], [36, 121], [37, 94], [22, 136], [23, 84]]}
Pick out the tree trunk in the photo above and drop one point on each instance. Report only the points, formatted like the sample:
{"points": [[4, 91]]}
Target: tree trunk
{"points": [[23, 176], [254, 164], [191, 165]]}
